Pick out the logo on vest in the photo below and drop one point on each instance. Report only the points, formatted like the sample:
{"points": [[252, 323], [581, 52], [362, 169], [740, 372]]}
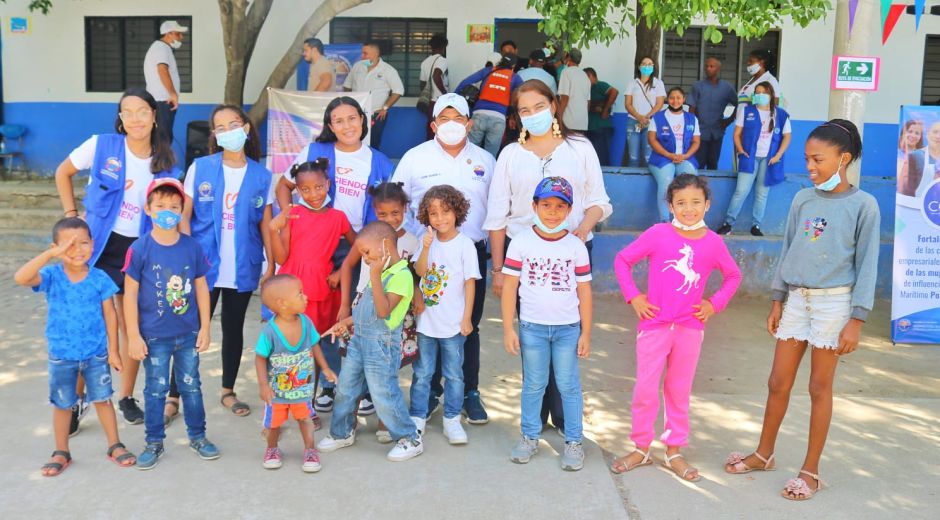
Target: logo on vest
{"points": [[205, 192], [259, 201], [479, 170], [112, 165], [777, 131]]}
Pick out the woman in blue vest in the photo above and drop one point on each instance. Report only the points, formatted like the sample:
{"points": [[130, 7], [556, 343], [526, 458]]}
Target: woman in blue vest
{"points": [[761, 137], [674, 136], [354, 166], [120, 167], [227, 210]]}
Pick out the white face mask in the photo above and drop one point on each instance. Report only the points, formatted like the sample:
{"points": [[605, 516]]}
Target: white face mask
{"points": [[176, 44], [753, 69], [698, 225], [451, 133]]}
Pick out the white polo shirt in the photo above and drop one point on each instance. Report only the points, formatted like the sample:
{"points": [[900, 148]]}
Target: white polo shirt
{"points": [[381, 82], [428, 165]]}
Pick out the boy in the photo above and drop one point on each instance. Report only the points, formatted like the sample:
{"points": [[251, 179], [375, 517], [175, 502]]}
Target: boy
{"points": [[374, 352], [284, 357], [164, 272], [81, 330], [552, 273]]}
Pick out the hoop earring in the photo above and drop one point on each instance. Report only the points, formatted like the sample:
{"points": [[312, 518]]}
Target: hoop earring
{"points": [[121, 128], [556, 129], [522, 136]]}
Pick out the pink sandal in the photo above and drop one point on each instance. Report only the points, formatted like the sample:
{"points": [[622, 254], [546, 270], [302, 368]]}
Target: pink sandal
{"points": [[798, 489], [736, 461]]}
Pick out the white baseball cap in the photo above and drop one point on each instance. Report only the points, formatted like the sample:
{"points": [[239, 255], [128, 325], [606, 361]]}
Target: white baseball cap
{"points": [[172, 26], [452, 100]]}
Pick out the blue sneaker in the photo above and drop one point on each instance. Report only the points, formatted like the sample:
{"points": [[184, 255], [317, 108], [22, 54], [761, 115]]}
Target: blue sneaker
{"points": [[151, 454], [473, 408], [205, 449]]}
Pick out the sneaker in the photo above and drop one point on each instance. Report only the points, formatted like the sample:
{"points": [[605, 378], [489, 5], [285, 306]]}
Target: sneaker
{"points": [[149, 457], [419, 424], [311, 461], [434, 402], [131, 411], [328, 443], [473, 408], [454, 431], [524, 450], [383, 436], [366, 407], [755, 230], [78, 413], [406, 449], [205, 449], [272, 458], [724, 229], [573, 457], [324, 403]]}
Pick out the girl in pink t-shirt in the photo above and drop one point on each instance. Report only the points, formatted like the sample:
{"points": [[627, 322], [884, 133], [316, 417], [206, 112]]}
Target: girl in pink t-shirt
{"points": [[672, 316]]}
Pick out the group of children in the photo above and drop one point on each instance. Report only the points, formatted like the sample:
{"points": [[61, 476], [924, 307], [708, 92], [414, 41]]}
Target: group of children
{"points": [[826, 279]]}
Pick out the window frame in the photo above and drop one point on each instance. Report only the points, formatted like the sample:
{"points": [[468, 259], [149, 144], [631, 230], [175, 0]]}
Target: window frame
{"points": [[928, 40]]}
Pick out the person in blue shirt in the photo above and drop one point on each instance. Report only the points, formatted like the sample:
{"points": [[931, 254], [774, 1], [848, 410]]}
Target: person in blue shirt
{"points": [[709, 99], [81, 330]]}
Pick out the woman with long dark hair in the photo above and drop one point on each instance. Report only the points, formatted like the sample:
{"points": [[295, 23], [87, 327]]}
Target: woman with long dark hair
{"points": [[644, 98]]}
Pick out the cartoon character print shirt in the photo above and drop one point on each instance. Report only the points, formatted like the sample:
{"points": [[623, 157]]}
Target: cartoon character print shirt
{"points": [[290, 367], [166, 301], [549, 272], [450, 265]]}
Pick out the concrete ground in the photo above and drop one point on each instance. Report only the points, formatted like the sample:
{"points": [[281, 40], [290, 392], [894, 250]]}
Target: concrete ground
{"points": [[881, 459]]}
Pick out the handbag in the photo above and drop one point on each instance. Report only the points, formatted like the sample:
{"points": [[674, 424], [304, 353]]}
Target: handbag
{"points": [[424, 99]]}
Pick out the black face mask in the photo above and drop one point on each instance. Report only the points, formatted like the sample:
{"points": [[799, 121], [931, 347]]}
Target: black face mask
{"points": [[674, 110]]}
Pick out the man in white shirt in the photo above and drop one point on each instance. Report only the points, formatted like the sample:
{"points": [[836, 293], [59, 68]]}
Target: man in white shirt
{"points": [[161, 75], [377, 77], [434, 69], [451, 159], [322, 76], [574, 93]]}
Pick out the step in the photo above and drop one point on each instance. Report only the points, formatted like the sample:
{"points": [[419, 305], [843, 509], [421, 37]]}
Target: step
{"points": [[36, 194], [31, 242], [32, 219]]}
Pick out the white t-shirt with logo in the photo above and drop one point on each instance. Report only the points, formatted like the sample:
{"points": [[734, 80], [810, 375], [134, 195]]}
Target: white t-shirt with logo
{"points": [[450, 265], [137, 177], [407, 246], [677, 123], [766, 133], [159, 52], [352, 182]]}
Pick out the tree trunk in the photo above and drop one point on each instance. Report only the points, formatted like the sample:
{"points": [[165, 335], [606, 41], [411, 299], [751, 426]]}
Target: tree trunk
{"points": [[648, 40], [285, 68], [850, 104], [240, 27]]}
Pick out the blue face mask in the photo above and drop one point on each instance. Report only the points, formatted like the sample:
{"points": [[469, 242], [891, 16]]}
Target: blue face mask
{"points": [[831, 183], [232, 140], [646, 70], [761, 100], [547, 230], [367, 63], [166, 219], [326, 202], [538, 124]]}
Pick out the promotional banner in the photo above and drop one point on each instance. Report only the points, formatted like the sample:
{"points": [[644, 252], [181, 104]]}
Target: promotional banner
{"points": [[295, 119], [915, 302], [343, 56]]}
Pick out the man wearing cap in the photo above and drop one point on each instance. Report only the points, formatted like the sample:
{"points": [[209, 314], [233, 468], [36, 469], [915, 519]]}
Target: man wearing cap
{"points": [[161, 75], [451, 159], [489, 112], [536, 70], [372, 74], [322, 76], [574, 93]]}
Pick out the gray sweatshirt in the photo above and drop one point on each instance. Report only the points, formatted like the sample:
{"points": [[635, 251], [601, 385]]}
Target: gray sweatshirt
{"points": [[831, 240]]}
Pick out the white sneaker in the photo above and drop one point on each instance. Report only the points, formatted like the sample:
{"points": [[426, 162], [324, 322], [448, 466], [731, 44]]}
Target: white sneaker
{"points": [[406, 449], [366, 407], [383, 436], [328, 443], [454, 431], [419, 424]]}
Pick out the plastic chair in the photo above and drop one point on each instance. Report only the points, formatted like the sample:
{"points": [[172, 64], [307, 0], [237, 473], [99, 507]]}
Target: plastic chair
{"points": [[11, 134]]}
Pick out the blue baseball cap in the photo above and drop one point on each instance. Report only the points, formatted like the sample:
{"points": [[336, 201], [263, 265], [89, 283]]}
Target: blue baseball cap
{"points": [[554, 187]]}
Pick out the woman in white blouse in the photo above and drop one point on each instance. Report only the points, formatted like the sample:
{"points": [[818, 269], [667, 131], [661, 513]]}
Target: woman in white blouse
{"points": [[644, 98]]}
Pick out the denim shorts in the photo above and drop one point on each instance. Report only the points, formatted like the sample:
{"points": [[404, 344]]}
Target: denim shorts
{"points": [[63, 375], [815, 318]]}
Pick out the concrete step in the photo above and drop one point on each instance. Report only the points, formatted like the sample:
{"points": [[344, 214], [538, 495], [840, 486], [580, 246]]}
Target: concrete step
{"points": [[32, 219], [31, 241], [36, 194]]}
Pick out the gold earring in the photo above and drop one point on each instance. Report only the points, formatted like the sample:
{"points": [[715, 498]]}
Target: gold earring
{"points": [[556, 129], [522, 136]]}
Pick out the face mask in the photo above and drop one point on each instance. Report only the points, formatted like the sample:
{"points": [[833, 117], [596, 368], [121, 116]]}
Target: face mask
{"points": [[547, 230], [232, 140], [753, 69], [675, 110], [538, 124], [326, 202], [400, 226], [833, 181], [451, 133], [698, 225], [761, 100], [166, 219], [367, 63], [176, 45], [385, 253], [646, 70]]}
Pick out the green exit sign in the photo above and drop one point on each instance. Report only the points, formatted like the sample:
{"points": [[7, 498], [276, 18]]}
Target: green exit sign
{"points": [[855, 72]]}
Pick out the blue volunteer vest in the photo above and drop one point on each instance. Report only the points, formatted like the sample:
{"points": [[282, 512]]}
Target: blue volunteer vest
{"points": [[208, 195], [667, 138], [380, 171], [750, 134], [105, 193]]}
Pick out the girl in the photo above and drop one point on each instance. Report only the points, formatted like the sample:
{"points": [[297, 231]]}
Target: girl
{"points": [[645, 97], [227, 209], [761, 137], [758, 61], [912, 139], [120, 166], [674, 137], [826, 277], [682, 255]]}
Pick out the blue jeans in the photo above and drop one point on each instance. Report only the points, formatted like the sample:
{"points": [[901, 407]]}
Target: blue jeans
{"points": [[761, 192], [182, 351], [556, 345], [487, 132], [664, 175], [637, 143], [331, 348], [451, 353], [63, 375]]}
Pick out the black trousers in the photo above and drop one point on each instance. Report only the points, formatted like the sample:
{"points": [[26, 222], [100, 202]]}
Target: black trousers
{"points": [[708, 152], [600, 138], [165, 119]]}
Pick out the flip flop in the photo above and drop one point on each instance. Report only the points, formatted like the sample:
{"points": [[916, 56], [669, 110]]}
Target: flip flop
{"points": [[124, 460], [57, 466], [168, 419], [237, 406]]}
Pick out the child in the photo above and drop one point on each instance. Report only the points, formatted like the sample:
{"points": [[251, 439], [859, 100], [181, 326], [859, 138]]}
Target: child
{"points": [[550, 269], [166, 306], [374, 353], [672, 317], [448, 267], [81, 329], [284, 361], [826, 275], [674, 137], [761, 137]]}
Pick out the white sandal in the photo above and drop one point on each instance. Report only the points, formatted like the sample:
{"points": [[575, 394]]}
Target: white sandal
{"points": [[797, 488], [684, 475], [615, 468], [736, 461]]}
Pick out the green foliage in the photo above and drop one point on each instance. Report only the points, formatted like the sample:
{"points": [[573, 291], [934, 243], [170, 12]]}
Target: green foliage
{"points": [[38, 5], [582, 22]]}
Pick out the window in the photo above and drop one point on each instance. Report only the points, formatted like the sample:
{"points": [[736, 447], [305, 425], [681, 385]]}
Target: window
{"points": [[684, 56], [115, 47], [403, 41], [930, 82]]}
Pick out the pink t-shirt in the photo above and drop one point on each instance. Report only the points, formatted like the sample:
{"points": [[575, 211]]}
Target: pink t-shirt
{"points": [[678, 271]]}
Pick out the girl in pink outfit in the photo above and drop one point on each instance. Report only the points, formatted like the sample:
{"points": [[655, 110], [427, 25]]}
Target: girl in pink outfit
{"points": [[672, 316]]}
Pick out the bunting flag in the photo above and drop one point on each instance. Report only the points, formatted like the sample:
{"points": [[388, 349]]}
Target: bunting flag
{"points": [[853, 5], [918, 10], [890, 13]]}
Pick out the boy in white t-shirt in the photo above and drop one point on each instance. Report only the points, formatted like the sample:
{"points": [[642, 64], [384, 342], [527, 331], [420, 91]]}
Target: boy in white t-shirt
{"points": [[550, 269], [448, 267]]}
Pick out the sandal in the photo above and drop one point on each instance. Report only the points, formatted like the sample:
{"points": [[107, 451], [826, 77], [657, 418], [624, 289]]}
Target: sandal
{"points": [[123, 460], [237, 407], [56, 467], [736, 461], [685, 474], [168, 419], [619, 466], [797, 488]]}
